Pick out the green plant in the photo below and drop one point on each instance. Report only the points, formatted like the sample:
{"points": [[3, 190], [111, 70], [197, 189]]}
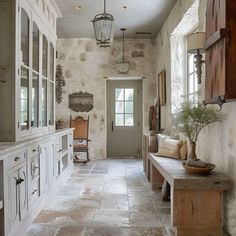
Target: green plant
{"points": [[191, 119]]}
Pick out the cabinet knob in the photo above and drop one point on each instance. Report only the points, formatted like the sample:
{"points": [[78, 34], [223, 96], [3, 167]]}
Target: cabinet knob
{"points": [[34, 150], [17, 158]]}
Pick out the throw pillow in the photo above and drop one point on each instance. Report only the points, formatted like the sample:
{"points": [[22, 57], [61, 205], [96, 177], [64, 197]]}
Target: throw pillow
{"points": [[169, 148]]}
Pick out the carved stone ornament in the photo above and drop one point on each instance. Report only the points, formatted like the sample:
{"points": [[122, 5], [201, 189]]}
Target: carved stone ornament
{"points": [[81, 102], [60, 82]]}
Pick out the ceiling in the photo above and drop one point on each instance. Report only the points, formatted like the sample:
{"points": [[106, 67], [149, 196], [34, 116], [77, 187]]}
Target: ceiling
{"points": [[140, 16]]}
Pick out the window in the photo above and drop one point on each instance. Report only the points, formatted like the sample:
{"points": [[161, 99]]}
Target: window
{"points": [[124, 107], [192, 83]]}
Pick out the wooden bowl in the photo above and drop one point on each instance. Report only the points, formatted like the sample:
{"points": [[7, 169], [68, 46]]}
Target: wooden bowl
{"points": [[198, 170]]}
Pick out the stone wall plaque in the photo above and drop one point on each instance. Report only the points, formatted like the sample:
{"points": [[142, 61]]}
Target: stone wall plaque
{"points": [[81, 102]]}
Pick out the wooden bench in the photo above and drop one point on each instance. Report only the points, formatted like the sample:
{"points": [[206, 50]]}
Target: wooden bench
{"points": [[196, 200]]}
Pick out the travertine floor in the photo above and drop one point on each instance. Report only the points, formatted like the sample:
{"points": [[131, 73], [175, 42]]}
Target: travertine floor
{"points": [[104, 198]]}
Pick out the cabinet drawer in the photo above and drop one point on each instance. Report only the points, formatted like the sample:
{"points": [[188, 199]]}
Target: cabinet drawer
{"points": [[33, 150], [34, 167], [16, 159], [34, 193]]}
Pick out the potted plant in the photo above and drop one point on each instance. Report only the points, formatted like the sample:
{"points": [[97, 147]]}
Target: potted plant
{"points": [[191, 119]]}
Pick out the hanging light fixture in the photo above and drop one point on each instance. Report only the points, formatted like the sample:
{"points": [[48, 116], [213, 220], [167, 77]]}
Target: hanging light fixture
{"points": [[123, 66], [104, 28]]}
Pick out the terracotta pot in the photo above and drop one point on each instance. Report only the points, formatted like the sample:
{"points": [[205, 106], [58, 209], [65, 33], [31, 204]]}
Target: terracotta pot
{"points": [[192, 151]]}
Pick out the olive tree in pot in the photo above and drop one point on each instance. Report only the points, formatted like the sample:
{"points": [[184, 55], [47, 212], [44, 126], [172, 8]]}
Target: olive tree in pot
{"points": [[191, 119]]}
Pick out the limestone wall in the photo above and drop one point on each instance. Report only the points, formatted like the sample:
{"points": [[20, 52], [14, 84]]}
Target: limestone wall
{"points": [[217, 143], [85, 65]]}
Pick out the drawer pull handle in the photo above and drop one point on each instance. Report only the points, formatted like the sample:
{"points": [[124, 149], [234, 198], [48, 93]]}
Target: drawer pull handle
{"points": [[19, 181], [34, 192], [34, 150], [34, 169], [17, 158]]}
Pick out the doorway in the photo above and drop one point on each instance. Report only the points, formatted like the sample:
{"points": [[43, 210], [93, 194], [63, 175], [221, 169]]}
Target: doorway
{"points": [[124, 118]]}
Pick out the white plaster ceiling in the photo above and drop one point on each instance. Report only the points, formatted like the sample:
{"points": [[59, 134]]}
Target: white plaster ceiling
{"points": [[140, 16]]}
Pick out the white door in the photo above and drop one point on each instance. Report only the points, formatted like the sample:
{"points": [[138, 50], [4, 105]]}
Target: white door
{"points": [[124, 137]]}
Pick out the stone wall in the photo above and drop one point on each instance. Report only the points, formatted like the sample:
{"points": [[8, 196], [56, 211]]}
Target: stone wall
{"points": [[217, 143], [85, 65]]}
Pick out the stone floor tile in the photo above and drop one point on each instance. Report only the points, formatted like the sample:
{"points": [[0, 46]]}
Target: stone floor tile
{"points": [[41, 230], [114, 204], [144, 219], [111, 217]]}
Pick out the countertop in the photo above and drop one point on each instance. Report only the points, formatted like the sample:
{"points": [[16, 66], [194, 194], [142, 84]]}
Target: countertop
{"points": [[8, 147]]}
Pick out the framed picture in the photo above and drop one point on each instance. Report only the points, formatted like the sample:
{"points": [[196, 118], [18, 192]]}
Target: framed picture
{"points": [[162, 87]]}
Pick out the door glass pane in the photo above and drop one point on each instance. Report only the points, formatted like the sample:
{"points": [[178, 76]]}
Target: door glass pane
{"points": [[119, 94], [129, 107], [44, 102], [24, 99], [51, 104], [35, 48], [129, 119], [119, 107], [124, 107], [25, 37], [51, 62], [129, 94], [45, 56], [119, 120], [35, 100]]}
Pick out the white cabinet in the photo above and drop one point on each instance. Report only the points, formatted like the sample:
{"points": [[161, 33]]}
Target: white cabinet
{"points": [[29, 175], [64, 152], [47, 153], [33, 158], [27, 67], [17, 190]]}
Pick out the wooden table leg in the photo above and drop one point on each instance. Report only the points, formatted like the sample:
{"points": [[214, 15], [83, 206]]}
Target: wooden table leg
{"points": [[156, 178], [196, 212]]}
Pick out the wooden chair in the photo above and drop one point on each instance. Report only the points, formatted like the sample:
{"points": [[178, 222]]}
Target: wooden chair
{"points": [[81, 130]]}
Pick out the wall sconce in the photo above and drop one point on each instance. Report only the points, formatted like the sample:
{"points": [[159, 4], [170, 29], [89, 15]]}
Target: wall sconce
{"points": [[196, 45]]}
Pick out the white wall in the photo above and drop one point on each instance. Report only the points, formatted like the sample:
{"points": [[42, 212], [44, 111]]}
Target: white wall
{"points": [[217, 143], [85, 65]]}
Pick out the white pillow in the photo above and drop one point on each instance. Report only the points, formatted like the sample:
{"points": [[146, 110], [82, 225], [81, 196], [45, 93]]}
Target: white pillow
{"points": [[169, 148]]}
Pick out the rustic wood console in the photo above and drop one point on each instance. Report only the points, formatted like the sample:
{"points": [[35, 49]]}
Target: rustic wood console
{"points": [[196, 200]]}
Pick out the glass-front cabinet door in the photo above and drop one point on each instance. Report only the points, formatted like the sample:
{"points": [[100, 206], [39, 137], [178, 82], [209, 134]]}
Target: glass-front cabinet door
{"points": [[24, 75], [44, 82], [51, 86], [36, 76]]}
